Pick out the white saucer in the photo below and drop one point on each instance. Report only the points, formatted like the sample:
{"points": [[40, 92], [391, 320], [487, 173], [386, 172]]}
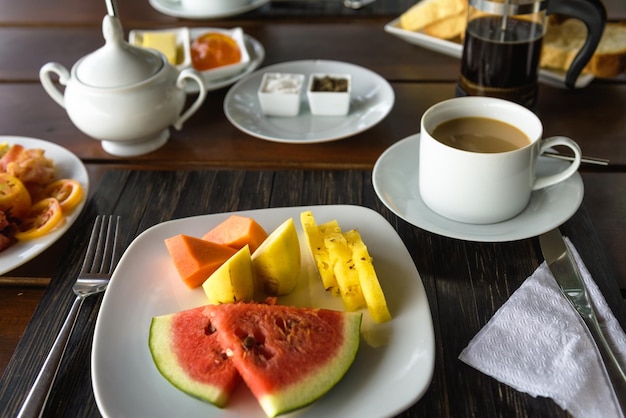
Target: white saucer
{"points": [[395, 178], [174, 8], [371, 100]]}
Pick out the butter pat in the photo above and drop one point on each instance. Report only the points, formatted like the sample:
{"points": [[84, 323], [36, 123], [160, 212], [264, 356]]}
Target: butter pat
{"points": [[164, 42], [173, 43]]}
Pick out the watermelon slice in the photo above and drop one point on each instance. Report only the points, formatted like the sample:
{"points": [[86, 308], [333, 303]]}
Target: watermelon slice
{"points": [[288, 357], [186, 351]]}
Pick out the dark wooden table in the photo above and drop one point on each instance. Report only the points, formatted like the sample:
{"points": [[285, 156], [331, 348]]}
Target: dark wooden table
{"points": [[33, 33], [465, 282]]}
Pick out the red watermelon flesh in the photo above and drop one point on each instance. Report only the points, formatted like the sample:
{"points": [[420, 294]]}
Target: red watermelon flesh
{"points": [[186, 351], [288, 357]]}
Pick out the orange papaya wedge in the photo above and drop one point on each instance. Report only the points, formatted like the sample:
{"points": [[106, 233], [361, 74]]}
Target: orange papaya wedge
{"points": [[196, 259]]}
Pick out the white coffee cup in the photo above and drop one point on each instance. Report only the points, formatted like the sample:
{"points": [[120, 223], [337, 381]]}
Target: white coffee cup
{"points": [[484, 187], [212, 6]]}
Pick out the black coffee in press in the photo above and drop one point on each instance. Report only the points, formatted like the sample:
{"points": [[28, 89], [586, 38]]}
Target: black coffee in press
{"points": [[500, 59]]}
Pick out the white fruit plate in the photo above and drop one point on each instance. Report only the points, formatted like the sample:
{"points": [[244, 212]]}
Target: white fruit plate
{"points": [[392, 370]]}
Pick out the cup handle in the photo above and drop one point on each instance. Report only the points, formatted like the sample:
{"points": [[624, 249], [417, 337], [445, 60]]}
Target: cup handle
{"points": [[192, 74], [545, 181], [593, 14], [48, 85]]}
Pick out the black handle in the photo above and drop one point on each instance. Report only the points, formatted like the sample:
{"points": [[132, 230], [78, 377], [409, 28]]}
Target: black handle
{"points": [[593, 14]]}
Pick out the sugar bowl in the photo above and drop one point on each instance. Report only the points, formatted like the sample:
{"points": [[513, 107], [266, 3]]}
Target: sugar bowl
{"points": [[125, 96]]}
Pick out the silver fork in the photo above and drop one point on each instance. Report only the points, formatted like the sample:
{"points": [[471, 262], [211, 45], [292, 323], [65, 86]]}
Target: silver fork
{"points": [[95, 273]]}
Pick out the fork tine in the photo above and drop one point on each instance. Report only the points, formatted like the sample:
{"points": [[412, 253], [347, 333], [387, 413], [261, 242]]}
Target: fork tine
{"points": [[102, 255], [92, 247], [112, 255]]}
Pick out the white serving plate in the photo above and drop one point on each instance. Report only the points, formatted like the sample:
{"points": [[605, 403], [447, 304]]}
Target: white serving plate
{"points": [[371, 100], [382, 382], [67, 165], [453, 49]]}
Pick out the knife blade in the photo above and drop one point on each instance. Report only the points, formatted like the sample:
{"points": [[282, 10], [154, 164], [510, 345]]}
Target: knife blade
{"points": [[564, 269]]}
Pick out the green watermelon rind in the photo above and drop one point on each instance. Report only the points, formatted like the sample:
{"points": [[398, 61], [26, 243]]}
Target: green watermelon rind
{"points": [[168, 365], [314, 386]]}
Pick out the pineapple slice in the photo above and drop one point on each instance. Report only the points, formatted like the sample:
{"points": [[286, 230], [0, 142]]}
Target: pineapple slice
{"points": [[347, 277], [315, 240], [345, 266], [370, 286]]}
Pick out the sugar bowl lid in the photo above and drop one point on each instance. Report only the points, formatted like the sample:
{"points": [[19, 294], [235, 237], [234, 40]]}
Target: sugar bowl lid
{"points": [[117, 63]]}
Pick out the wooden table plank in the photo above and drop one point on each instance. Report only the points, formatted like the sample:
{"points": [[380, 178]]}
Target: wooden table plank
{"points": [[209, 140], [71, 12], [26, 49], [17, 304]]}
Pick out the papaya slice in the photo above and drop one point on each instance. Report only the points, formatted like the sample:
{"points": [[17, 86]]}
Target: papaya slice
{"points": [[236, 232], [196, 259]]}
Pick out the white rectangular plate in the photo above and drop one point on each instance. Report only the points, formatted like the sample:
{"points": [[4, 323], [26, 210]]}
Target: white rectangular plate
{"points": [[383, 381], [455, 50]]}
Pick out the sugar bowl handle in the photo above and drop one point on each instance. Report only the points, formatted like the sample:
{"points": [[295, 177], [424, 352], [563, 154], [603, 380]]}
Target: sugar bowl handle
{"points": [[192, 74], [48, 85]]}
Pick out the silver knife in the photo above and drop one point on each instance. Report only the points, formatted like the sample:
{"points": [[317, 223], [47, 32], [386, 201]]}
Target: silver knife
{"points": [[564, 269]]}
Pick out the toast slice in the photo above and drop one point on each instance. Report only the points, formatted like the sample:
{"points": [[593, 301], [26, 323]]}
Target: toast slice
{"points": [[449, 28], [426, 12], [563, 40]]}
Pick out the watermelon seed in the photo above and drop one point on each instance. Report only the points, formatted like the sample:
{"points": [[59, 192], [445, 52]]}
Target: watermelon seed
{"points": [[209, 329], [285, 326], [248, 343]]}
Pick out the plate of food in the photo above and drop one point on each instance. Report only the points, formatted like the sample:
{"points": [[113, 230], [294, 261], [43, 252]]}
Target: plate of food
{"points": [[371, 100], [54, 165], [393, 365], [244, 53], [442, 31]]}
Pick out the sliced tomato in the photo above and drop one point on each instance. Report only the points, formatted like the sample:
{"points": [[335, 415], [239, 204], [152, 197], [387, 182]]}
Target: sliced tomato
{"points": [[42, 217], [14, 197], [68, 192], [11, 155]]}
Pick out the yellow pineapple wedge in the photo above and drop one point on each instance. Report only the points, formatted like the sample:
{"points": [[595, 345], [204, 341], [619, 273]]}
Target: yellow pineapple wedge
{"points": [[347, 277], [315, 240], [370, 286]]}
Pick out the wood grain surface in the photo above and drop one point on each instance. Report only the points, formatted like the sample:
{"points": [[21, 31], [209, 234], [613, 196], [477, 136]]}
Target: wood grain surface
{"points": [[465, 282]]}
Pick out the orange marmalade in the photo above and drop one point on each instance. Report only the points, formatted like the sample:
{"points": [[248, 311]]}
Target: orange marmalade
{"points": [[213, 50]]}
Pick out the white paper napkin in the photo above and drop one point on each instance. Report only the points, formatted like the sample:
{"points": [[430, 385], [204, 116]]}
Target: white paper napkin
{"points": [[537, 344]]}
